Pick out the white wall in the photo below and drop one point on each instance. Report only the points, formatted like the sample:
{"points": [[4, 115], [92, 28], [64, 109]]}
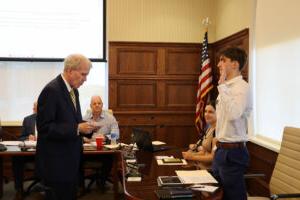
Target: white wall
{"points": [[159, 20], [233, 16]]}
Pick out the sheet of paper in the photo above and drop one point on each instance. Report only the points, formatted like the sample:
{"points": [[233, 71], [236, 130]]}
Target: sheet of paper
{"points": [[13, 148], [160, 162], [111, 146], [11, 143], [17, 143], [134, 179], [205, 188], [30, 143], [124, 145], [195, 176], [114, 146], [99, 124], [158, 143], [91, 144], [131, 160]]}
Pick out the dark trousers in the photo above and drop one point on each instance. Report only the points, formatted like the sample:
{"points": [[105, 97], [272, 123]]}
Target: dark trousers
{"points": [[18, 166], [229, 166], [61, 190]]}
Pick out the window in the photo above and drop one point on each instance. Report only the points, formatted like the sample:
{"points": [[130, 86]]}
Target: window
{"points": [[22, 82], [277, 67]]}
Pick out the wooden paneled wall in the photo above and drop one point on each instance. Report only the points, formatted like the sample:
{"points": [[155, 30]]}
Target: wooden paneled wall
{"points": [[11, 132], [262, 160], [153, 86]]}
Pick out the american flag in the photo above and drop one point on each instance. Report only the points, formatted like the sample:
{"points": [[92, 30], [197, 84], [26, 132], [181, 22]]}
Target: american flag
{"points": [[204, 86]]}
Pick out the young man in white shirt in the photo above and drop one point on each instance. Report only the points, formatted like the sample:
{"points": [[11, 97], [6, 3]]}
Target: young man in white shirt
{"points": [[233, 108]]}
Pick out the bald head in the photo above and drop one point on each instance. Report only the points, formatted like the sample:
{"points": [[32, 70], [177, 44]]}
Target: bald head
{"points": [[76, 69], [96, 105]]}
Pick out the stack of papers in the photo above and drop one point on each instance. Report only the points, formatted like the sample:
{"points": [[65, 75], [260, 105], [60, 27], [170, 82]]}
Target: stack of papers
{"points": [[30, 143], [195, 176], [19, 143], [11, 143]]}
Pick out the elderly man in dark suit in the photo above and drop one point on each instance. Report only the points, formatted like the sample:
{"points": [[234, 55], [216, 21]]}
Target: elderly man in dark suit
{"points": [[60, 124], [18, 162]]}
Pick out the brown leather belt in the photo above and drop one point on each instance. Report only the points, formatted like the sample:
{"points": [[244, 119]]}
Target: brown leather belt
{"points": [[231, 145]]}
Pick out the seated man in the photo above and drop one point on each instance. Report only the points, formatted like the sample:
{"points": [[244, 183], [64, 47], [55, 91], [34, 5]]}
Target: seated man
{"points": [[28, 133], [105, 119], [107, 123]]}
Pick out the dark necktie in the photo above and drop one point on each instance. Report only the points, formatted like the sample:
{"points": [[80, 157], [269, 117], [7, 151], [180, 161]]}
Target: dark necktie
{"points": [[73, 98]]}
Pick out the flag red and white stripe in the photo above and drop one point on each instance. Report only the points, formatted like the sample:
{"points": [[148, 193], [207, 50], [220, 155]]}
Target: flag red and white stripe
{"points": [[204, 86]]}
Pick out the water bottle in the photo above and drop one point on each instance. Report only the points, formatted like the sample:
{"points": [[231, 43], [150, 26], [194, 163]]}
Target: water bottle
{"points": [[113, 136]]}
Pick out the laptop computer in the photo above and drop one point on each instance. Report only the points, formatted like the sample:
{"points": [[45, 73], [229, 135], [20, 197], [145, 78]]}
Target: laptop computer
{"points": [[143, 141]]}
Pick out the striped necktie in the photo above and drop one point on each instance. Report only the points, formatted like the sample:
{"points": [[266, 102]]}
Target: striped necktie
{"points": [[73, 98]]}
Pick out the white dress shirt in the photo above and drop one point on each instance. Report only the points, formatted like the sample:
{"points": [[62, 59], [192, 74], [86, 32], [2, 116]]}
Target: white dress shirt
{"points": [[107, 122], [234, 105], [66, 82]]}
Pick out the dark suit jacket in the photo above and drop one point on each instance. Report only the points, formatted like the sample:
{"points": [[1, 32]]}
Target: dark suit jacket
{"points": [[28, 126], [58, 146]]}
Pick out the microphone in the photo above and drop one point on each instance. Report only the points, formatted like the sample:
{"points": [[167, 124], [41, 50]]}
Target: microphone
{"points": [[22, 146]]}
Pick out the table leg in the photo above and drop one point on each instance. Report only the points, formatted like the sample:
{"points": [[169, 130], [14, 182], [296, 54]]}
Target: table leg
{"points": [[1, 177], [115, 177]]}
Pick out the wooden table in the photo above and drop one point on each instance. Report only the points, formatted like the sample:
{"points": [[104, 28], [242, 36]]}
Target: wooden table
{"points": [[145, 189], [116, 159]]}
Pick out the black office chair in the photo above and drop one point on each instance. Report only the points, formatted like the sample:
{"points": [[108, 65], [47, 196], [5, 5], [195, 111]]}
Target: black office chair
{"points": [[94, 173]]}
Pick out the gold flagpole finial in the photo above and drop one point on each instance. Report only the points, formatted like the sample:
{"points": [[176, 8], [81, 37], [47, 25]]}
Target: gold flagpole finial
{"points": [[206, 22]]}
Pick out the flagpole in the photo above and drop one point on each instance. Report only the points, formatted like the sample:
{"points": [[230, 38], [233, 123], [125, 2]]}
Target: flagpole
{"points": [[204, 82]]}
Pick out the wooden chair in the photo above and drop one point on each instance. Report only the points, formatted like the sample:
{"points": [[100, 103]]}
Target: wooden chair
{"points": [[285, 180]]}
